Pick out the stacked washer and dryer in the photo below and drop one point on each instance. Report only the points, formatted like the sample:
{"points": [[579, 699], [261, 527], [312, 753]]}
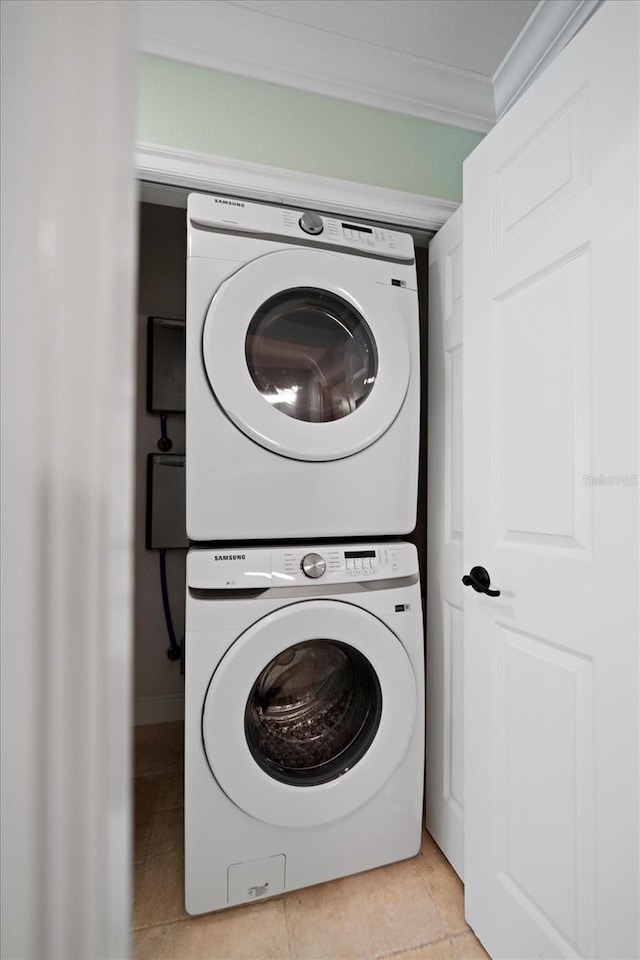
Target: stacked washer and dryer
{"points": [[304, 732]]}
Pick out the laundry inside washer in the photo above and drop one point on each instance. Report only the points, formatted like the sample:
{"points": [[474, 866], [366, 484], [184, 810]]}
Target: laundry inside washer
{"points": [[313, 712]]}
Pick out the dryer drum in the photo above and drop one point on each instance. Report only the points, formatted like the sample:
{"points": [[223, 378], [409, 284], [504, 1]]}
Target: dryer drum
{"points": [[311, 355], [313, 712]]}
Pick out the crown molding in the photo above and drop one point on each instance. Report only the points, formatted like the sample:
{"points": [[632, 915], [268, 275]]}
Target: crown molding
{"points": [[257, 181], [550, 28], [252, 44]]}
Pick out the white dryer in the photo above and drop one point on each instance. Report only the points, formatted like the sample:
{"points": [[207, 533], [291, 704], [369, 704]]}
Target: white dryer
{"points": [[304, 734], [302, 402]]}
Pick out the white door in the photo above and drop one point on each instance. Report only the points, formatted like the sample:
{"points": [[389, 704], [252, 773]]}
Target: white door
{"points": [[551, 508], [306, 354], [444, 803]]}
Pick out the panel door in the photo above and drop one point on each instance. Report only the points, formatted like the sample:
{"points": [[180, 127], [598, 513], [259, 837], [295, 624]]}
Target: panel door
{"points": [[444, 798], [551, 410]]}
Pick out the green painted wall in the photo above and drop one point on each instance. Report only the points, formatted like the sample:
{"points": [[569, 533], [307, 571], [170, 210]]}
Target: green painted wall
{"points": [[194, 108]]}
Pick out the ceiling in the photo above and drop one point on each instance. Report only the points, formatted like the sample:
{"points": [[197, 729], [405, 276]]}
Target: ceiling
{"points": [[461, 62], [470, 35]]}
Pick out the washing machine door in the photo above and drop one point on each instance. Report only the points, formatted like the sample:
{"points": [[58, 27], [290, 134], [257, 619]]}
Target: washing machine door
{"points": [[309, 713], [306, 354]]}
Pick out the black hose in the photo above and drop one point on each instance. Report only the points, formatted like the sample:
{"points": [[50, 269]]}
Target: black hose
{"points": [[173, 652], [164, 443]]}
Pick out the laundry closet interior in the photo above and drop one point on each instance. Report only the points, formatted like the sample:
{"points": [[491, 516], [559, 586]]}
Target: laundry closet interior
{"points": [[159, 686], [342, 745], [511, 605]]}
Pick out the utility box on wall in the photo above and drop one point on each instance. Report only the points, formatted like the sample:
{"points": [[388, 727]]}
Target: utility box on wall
{"points": [[165, 365], [166, 521]]}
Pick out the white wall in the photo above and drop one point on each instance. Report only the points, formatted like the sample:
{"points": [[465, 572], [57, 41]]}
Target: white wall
{"points": [[158, 685]]}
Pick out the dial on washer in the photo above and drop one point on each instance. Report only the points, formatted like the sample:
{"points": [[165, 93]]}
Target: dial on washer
{"points": [[311, 223], [313, 565]]}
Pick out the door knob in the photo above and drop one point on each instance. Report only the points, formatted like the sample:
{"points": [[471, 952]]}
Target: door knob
{"points": [[479, 579]]}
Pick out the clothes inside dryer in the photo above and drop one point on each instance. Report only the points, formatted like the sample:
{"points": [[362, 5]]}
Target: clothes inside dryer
{"points": [[313, 712], [311, 355]]}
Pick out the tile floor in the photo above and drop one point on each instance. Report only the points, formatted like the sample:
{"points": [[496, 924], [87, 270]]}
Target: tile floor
{"points": [[409, 911]]}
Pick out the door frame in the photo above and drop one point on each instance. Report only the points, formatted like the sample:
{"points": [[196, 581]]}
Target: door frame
{"points": [[68, 258]]}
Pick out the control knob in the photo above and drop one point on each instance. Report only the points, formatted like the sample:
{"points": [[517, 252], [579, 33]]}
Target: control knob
{"points": [[311, 223], [313, 565]]}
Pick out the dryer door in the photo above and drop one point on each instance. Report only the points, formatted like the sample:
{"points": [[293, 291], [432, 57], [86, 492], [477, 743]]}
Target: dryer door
{"points": [[309, 713], [306, 355]]}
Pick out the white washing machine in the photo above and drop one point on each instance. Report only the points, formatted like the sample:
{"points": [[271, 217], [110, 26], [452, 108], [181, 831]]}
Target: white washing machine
{"points": [[302, 403], [304, 750]]}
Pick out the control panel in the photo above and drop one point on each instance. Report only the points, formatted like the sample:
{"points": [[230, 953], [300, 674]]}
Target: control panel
{"points": [[256, 568], [306, 225], [360, 564]]}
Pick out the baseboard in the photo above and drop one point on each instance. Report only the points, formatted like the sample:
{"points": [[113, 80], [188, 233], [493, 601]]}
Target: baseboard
{"points": [[165, 708]]}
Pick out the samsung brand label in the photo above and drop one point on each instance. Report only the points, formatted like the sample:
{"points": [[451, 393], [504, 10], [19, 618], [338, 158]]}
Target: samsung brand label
{"points": [[229, 203], [229, 556]]}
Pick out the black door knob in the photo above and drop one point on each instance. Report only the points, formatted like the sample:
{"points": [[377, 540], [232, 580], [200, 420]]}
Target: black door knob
{"points": [[479, 579]]}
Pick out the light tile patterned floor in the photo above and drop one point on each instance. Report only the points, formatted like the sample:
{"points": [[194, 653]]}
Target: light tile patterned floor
{"points": [[409, 911]]}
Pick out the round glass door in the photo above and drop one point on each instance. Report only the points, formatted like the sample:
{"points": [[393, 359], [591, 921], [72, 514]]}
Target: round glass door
{"points": [[307, 354], [311, 355], [313, 712], [309, 712]]}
